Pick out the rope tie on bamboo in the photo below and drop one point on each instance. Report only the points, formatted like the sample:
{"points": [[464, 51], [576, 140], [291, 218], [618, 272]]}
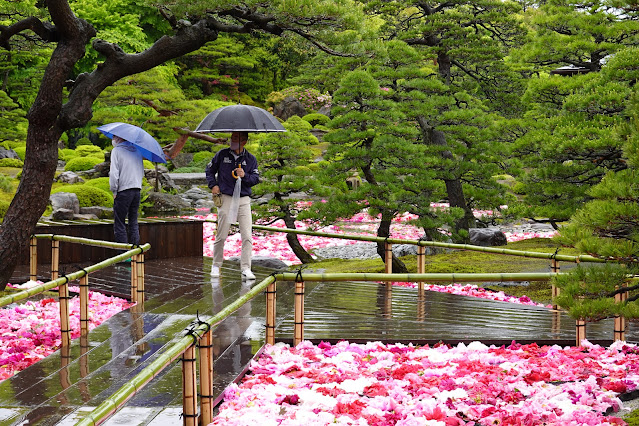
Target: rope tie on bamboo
{"points": [[190, 331], [554, 255], [85, 273], [198, 322], [298, 277], [190, 415]]}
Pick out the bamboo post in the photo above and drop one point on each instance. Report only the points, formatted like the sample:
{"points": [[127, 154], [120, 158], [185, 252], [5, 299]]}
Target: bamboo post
{"points": [[620, 321], [388, 257], [271, 294], [55, 259], [63, 296], [140, 286], [580, 332], [134, 278], [421, 303], [206, 377], [33, 259], [65, 382], [189, 380], [421, 259], [299, 313], [554, 267], [84, 305], [84, 368], [555, 327]]}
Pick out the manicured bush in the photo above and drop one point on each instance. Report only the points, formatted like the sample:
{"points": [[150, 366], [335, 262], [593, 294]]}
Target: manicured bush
{"points": [[102, 183], [89, 150], [4, 206], [5, 183], [203, 155], [20, 150], [83, 142], [316, 119], [11, 162], [78, 164], [148, 165], [65, 154], [88, 195]]}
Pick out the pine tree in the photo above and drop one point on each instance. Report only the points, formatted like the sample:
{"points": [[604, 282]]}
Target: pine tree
{"points": [[285, 160]]}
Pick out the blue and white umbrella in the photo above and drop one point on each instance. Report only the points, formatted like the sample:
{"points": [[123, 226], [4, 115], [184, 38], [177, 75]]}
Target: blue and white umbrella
{"points": [[143, 142]]}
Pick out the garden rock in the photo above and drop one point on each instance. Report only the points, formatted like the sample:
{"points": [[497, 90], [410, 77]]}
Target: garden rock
{"points": [[62, 214], [289, 107], [487, 237], [65, 201], [166, 203], [198, 197], [98, 211], [183, 159], [164, 179], [8, 153], [69, 177]]}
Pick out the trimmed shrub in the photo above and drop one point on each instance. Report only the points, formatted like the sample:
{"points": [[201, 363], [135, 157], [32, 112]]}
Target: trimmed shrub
{"points": [[102, 183], [79, 164], [311, 99], [316, 119], [4, 206], [84, 142], [20, 150], [5, 182], [88, 195], [203, 155], [11, 162], [148, 165], [89, 150], [65, 154]]}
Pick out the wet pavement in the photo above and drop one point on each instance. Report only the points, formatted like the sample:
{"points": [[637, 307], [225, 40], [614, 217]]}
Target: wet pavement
{"points": [[60, 389]]}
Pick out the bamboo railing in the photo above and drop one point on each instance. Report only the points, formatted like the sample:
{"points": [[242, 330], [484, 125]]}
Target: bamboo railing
{"points": [[137, 278], [198, 335]]}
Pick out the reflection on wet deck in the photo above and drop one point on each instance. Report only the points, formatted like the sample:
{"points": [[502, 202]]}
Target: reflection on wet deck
{"points": [[60, 388]]}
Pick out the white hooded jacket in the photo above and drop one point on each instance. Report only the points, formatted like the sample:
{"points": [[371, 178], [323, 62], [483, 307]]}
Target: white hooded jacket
{"points": [[127, 169]]}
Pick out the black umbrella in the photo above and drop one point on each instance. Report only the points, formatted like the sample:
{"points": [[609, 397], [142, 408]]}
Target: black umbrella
{"points": [[240, 118]]}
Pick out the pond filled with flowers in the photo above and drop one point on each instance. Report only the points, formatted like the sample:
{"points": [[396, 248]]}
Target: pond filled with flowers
{"points": [[396, 384]]}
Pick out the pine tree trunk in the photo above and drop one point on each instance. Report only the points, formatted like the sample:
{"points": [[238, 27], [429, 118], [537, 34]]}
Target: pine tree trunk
{"points": [[294, 242], [454, 188], [384, 231]]}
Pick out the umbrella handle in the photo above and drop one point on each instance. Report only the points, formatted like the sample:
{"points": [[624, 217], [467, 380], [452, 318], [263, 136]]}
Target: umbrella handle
{"points": [[234, 173]]}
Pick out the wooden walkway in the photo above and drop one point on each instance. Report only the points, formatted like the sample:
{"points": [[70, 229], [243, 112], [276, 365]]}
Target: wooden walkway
{"points": [[64, 386]]}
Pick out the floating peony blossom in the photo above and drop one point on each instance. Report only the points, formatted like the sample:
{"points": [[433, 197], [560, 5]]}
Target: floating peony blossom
{"points": [[472, 384], [31, 331]]}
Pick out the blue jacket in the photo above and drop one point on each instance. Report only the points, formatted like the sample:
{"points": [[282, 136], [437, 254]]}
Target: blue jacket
{"points": [[218, 171]]}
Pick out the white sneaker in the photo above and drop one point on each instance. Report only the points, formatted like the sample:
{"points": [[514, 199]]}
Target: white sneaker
{"points": [[246, 273], [215, 271]]}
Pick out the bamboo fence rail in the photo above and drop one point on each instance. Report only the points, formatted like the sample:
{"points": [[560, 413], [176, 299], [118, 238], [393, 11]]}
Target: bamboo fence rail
{"points": [[112, 403], [62, 283]]}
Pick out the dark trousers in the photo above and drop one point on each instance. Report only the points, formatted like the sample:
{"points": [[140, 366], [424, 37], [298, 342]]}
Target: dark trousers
{"points": [[125, 205]]}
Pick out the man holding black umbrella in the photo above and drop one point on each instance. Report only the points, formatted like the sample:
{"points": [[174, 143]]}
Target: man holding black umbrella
{"points": [[232, 168]]}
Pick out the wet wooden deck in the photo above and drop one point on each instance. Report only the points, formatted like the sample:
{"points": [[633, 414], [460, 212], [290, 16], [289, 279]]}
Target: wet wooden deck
{"points": [[62, 387]]}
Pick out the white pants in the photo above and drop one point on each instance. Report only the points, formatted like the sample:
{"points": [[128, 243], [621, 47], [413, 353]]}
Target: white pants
{"points": [[245, 221]]}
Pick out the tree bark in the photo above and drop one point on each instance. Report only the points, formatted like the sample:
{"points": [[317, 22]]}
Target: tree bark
{"points": [[50, 116], [454, 188], [294, 242], [383, 231]]}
